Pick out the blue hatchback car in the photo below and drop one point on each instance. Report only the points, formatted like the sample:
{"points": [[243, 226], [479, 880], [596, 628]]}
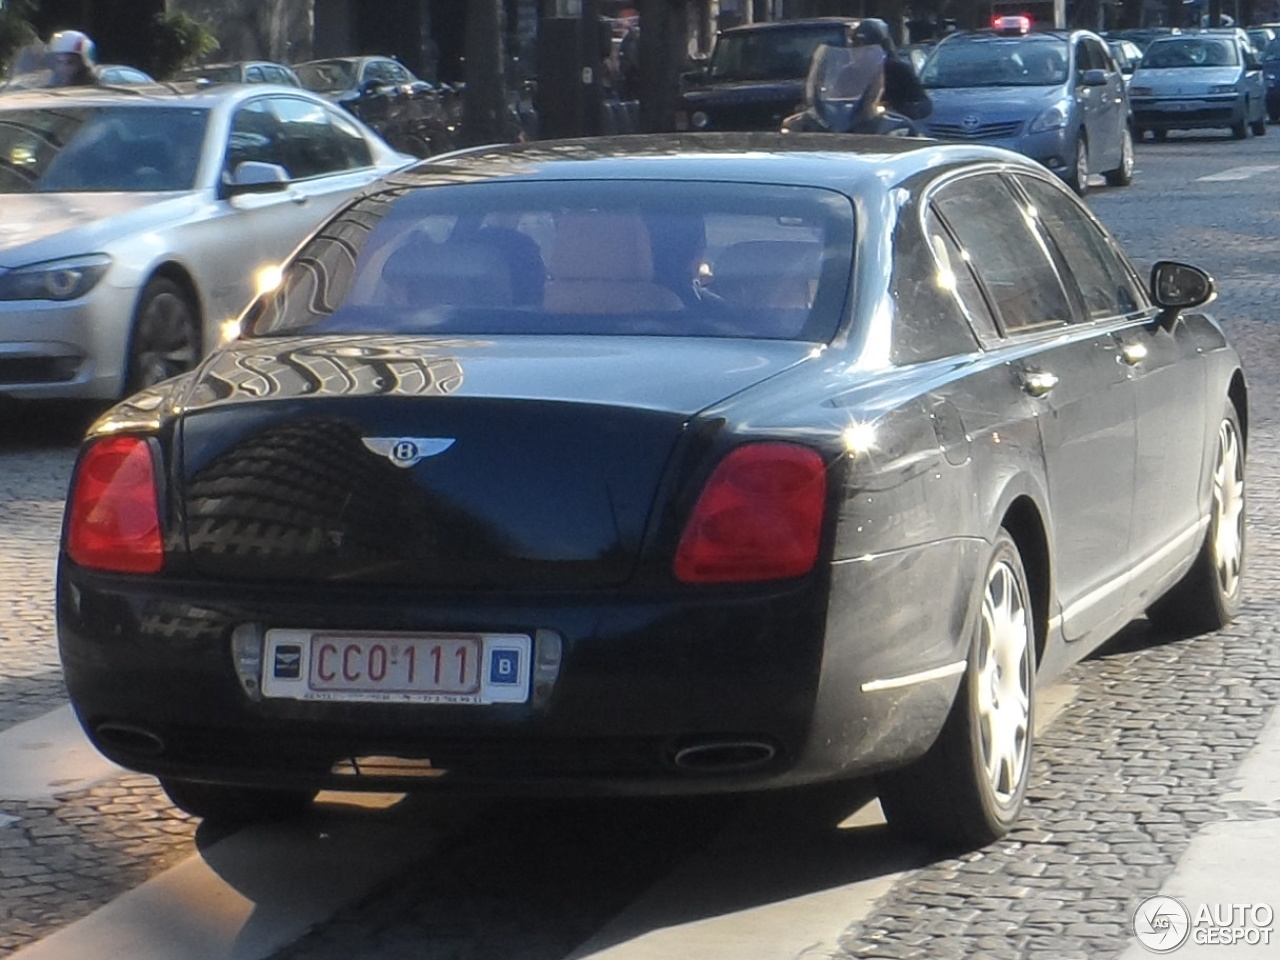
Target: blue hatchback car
{"points": [[1055, 96]]}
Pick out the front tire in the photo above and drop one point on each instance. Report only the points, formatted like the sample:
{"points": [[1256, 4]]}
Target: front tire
{"points": [[1207, 598], [1078, 178], [1122, 175], [968, 789], [224, 803], [165, 338]]}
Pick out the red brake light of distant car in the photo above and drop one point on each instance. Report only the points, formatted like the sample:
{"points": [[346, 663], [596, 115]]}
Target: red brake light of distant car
{"points": [[114, 517], [758, 518], [1012, 26]]}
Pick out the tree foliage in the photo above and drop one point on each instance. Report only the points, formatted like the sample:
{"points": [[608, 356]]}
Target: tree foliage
{"points": [[16, 30], [177, 41]]}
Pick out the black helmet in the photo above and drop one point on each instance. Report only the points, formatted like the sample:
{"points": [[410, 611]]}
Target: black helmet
{"points": [[871, 33]]}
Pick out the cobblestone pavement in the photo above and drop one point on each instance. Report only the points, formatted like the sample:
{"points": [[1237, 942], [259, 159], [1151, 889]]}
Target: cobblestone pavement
{"points": [[1124, 777]]}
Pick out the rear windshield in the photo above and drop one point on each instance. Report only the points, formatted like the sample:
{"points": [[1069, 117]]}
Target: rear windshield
{"points": [[327, 76], [620, 258], [770, 53], [87, 149]]}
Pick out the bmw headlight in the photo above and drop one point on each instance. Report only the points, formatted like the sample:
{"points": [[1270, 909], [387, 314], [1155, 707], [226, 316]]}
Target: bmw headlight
{"points": [[1222, 88], [67, 279], [1051, 119]]}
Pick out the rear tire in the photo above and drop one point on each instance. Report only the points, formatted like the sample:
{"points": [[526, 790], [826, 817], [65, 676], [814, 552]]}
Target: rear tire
{"points": [[224, 803], [1259, 127], [968, 789], [1207, 598], [1160, 135]]}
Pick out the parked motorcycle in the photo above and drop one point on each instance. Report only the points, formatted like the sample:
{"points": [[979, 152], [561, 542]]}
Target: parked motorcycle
{"points": [[843, 94]]}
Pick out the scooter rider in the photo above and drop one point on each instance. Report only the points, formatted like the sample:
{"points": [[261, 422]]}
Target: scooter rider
{"points": [[903, 92], [72, 59]]}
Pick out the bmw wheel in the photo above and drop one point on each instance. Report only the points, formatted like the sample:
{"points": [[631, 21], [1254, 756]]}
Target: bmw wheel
{"points": [[165, 340], [1208, 597], [968, 789], [1122, 175], [1078, 177]]}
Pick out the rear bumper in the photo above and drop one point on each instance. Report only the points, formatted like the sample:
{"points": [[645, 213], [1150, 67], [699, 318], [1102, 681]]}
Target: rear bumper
{"points": [[672, 695]]}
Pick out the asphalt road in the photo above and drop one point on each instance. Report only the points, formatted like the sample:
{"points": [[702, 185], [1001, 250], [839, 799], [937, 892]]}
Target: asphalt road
{"points": [[1153, 748]]}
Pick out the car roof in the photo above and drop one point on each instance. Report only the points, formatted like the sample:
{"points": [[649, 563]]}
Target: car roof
{"points": [[841, 162], [186, 93], [805, 23]]}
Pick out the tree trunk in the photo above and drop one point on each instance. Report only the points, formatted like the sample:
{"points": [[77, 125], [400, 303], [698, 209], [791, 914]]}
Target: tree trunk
{"points": [[484, 103], [664, 38]]}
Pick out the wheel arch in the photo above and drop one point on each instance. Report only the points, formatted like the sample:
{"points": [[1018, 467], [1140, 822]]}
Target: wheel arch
{"points": [[175, 272], [1023, 521], [1238, 394]]}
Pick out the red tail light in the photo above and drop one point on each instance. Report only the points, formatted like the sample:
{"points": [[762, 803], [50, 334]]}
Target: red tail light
{"points": [[113, 518], [759, 517]]}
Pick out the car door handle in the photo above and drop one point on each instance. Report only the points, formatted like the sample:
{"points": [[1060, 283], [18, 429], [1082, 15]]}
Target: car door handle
{"points": [[298, 197], [1133, 353], [1038, 382]]}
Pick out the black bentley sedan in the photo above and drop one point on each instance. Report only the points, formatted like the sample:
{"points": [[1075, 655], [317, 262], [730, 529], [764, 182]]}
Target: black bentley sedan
{"points": [[653, 466]]}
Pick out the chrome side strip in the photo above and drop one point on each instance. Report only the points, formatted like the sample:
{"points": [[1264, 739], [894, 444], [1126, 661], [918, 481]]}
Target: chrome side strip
{"points": [[924, 676], [1119, 583]]}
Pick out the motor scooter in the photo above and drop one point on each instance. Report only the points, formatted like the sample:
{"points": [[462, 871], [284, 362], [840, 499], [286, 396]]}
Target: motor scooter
{"points": [[843, 94]]}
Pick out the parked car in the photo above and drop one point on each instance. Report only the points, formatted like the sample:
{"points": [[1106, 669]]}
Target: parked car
{"points": [[1199, 80], [755, 76], [1271, 79], [133, 226], [113, 74], [1127, 56], [1056, 96], [1142, 36], [409, 113], [243, 71], [678, 464]]}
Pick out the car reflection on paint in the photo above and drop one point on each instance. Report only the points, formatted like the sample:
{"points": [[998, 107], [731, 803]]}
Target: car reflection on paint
{"points": [[654, 466]]}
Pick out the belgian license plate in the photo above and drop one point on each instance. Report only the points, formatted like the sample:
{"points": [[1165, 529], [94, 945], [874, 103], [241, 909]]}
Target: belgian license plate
{"points": [[375, 667]]}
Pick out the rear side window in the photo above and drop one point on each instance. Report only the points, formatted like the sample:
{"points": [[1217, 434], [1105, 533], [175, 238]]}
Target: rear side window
{"points": [[1009, 255], [626, 258]]}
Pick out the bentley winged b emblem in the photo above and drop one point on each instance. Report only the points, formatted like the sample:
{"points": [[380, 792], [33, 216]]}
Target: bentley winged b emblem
{"points": [[406, 451]]}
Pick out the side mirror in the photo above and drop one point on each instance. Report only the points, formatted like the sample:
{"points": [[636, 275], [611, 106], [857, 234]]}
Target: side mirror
{"points": [[1094, 78], [1180, 286], [254, 176]]}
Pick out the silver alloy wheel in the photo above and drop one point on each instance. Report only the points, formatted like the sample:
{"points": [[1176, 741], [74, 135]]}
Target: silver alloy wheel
{"points": [[1004, 677], [1228, 510], [164, 339]]}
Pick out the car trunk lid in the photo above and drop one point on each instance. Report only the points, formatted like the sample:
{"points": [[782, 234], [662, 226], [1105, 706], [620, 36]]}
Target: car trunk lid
{"points": [[524, 463]]}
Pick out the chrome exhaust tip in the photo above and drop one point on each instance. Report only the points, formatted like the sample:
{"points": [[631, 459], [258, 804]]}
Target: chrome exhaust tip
{"points": [[127, 738], [724, 756]]}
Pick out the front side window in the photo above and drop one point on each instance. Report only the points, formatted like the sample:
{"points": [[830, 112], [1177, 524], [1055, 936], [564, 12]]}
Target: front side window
{"points": [[1008, 253], [621, 258], [128, 149], [1106, 283]]}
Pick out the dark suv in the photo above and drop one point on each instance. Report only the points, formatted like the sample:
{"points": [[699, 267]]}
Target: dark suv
{"points": [[756, 74]]}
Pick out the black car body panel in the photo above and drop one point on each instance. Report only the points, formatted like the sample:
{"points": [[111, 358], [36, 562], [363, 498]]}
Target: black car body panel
{"points": [[755, 77], [555, 512]]}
